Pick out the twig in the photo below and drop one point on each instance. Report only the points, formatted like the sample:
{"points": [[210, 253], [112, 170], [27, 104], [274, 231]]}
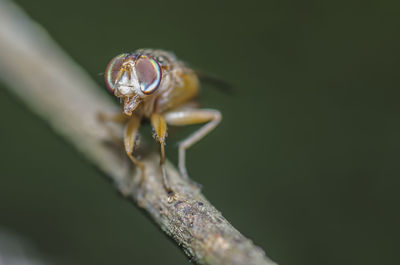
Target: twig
{"points": [[46, 79]]}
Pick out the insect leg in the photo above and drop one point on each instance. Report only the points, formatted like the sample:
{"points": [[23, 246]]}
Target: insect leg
{"points": [[188, 117], [160, 133], [116, 118], [131, 130]]}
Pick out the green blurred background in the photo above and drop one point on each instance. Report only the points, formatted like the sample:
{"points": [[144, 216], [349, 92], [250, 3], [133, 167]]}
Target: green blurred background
{"points": [[305, 162]]}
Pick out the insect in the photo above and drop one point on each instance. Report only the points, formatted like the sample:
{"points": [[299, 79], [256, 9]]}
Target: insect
{"points": [[154, 85]]}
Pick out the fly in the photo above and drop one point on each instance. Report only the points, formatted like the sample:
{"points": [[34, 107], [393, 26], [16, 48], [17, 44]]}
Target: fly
{"points": [[155, 85]]}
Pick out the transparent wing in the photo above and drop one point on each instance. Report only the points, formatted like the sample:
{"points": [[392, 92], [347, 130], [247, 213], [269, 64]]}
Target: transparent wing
{"points": [[216, 82]]}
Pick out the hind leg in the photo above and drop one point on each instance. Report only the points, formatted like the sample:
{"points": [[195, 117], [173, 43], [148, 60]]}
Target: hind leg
{"points": [[192, 116]]}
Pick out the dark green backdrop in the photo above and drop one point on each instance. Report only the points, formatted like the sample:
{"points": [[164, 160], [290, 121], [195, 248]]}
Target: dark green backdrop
{"points": [[305, 162]]}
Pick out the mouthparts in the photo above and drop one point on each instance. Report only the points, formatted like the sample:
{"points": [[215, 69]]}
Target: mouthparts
{"points": [[130, 104]]}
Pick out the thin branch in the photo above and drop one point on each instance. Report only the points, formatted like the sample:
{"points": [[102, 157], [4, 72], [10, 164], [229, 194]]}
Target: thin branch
{"points": [[45, 78]]}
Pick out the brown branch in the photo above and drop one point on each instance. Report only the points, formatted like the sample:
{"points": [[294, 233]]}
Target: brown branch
{"points": [[46, 79]]}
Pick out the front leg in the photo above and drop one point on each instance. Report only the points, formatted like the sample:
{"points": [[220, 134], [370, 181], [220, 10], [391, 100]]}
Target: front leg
{"points": [[130, 133], [160, 133], [188, 117], [118, 118]]}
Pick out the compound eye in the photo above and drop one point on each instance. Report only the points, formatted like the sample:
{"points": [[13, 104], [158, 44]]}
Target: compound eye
{"points": [[112, 71], [148, 73]]}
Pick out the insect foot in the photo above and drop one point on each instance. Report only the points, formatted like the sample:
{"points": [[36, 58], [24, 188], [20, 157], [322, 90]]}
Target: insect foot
{"points": [[171, 196]]}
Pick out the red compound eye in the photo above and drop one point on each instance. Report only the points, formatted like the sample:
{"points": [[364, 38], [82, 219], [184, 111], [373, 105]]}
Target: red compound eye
{"points": [[148, 72], [112, 71]]}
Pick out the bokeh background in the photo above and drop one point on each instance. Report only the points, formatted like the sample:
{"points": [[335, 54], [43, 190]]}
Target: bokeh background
{"points": [[305, 162]]}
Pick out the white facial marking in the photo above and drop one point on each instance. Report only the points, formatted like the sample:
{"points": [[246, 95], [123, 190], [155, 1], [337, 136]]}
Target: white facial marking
{"points": [[124, 85], [124, 90], [127, 86]]}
